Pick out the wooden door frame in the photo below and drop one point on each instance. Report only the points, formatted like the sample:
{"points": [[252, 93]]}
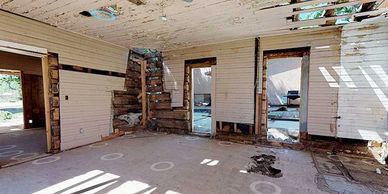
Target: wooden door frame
{"points": [[188, 88], [262, 100]]}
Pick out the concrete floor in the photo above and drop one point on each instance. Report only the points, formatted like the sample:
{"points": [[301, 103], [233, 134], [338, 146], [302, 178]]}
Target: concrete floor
{"points": [[22, 145], [160, 163]]}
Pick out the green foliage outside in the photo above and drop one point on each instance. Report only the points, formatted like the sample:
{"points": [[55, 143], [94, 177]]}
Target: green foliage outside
{"points": [[10, 88], [338, 11], [5, 115]]}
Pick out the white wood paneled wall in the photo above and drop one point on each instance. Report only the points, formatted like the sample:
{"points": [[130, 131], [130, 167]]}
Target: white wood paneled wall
{"points": [[234, 81], [363, 101], [73, 48], [322, 94], [86, 115]]}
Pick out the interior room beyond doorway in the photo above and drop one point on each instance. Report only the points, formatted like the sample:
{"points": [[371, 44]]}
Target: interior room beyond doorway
{"points": [[22, 108]]}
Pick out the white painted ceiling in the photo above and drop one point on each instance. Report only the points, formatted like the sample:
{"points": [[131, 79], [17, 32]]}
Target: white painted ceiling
{"points": [[188, 24]]}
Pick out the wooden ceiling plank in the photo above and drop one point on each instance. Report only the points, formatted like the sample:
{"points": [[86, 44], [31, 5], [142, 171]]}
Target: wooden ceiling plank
{"points": [[383, 4], [319, 21], [333, 6]]}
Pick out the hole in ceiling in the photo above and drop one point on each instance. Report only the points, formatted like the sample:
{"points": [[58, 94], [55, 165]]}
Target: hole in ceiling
{"points": [[137, 2], [85, 13], [108, 13]]}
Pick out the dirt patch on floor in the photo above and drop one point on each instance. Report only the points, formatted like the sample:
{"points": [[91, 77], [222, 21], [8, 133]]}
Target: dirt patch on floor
{"points": [[350, 174], [263, 164]]}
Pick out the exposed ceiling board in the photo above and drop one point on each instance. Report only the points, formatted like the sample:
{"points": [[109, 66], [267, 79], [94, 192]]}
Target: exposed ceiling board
{"points": [[188, 24]]}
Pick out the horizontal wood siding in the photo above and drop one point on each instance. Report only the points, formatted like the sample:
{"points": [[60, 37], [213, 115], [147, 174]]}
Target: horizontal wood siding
{"points": [[363, 102], [325, 53], [234, 83], [86, 115], [73, 48]]}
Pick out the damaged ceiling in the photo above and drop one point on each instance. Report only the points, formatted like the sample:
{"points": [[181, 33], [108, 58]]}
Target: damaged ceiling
{"points": [[171, 24]]}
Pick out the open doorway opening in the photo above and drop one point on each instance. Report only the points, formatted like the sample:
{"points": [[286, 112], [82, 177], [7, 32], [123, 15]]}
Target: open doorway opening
{"points": [[202, 107], [286, 86], [11, 103], [198, 94], [22, 108], [283, 88]]}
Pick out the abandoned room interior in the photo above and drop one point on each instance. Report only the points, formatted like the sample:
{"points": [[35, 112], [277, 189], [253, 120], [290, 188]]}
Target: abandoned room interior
{"points": [[193, 96]]}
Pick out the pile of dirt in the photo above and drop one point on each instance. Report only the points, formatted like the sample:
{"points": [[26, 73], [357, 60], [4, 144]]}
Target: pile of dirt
{"points": [[262, 164]]}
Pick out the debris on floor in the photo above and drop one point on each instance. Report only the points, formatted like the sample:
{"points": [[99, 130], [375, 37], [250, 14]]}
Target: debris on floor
{"points": [[379, 151], [283, 135], [131, 118], [350, 174], [263, 164]]}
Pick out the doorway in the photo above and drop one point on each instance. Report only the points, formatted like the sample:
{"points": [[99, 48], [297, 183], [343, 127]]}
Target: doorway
{"points": [[286, 85], [199, 94], [11, 101], [201, 103], [22, 108]]}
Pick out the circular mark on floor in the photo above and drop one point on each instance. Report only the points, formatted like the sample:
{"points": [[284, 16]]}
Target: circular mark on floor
{"points": [[11, 153], [24, 156], [98, 145], [191, 138], [113, 156], [338, 158], [7, 147], [161, 166], [46, 160], [225, 143], [264, 187]]}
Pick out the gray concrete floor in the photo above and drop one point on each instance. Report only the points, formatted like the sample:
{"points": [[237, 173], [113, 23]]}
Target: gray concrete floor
{"points": [[160, 163], [22, 145]]}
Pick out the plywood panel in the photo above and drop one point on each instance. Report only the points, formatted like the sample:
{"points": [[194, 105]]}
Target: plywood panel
{"points": [[363, 89], [73, 49], [86, 115], [234, 83], [322, 94]]}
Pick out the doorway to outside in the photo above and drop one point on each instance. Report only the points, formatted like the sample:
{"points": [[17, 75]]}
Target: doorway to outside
{"points": [[198, 91], [286, 91], [22, 108], [202, 108]]}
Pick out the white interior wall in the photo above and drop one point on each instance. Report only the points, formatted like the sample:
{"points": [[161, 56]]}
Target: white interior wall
{"points": [[234, 81], [26, 64], [322, 93], [73, 49], [363, 87], [89, 107], [87, 114]]}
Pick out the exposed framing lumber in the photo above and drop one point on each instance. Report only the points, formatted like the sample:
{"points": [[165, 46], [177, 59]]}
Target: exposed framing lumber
{"points": [[321, 21], [257, 95], [45, 73], [333, 6], [90, 70], [188, 87], [275, 54], [143, 93]]}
